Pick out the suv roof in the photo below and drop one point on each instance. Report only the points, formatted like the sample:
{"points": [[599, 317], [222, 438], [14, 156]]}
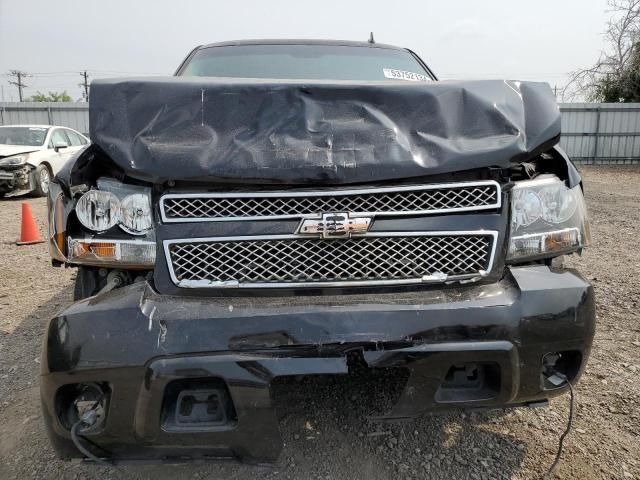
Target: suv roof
{"points": [[300, 42]]}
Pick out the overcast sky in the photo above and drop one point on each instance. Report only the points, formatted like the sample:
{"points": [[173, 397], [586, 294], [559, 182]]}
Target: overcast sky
{"points": [[529, 40]]}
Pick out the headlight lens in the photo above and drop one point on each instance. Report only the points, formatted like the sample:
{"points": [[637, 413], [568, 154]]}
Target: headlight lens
{"points": [[527, 207], [98, 210], [547, 219], [13, 161], [135, 213], [116, 203], [558, 203]]}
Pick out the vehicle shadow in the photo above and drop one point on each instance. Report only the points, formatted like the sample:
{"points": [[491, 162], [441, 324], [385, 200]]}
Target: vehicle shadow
{"points": [[325, 421], [17, 198]]}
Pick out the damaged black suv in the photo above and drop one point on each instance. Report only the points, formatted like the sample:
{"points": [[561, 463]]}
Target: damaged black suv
{"points": [[279, 206]]}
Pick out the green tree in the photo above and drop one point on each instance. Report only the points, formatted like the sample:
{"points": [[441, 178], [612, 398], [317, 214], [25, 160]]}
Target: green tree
{"points": [[51, 97], [615, 77]]}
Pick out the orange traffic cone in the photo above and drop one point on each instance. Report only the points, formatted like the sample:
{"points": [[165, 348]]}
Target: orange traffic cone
{"points": [[29, 233]]}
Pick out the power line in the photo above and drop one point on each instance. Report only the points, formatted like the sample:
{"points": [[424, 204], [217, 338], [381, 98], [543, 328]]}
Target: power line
{"points": [[44, 74], [19, 75], [115, 72], [98, 73]]}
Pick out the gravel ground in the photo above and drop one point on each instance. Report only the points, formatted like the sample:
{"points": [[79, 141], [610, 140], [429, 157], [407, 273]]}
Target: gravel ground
{"points": [[323, 422]]}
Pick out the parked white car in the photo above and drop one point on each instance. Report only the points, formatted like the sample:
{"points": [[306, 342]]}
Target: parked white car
{"points": [[30, 155]]}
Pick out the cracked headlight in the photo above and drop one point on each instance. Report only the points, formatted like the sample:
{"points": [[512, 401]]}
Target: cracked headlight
{"points": [[547, 219], [13, 161]]}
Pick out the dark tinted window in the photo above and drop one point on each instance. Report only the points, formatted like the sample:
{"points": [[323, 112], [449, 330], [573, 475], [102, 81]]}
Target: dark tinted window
{"points": [[330, 62], [28, 136]]}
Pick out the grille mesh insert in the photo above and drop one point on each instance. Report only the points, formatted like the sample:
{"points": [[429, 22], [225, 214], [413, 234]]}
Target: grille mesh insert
{"points": [[433, 199], [294, 260]]}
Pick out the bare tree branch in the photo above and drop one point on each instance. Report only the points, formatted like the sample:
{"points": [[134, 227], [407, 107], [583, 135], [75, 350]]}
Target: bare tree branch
{"points": [[616, 68]]}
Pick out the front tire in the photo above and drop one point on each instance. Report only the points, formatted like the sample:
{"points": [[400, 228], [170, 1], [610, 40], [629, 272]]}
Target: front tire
{"points": [[42, 179], [87, 283]]}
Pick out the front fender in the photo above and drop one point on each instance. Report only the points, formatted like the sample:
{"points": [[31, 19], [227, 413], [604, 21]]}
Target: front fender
{"points": [[59, 206]]}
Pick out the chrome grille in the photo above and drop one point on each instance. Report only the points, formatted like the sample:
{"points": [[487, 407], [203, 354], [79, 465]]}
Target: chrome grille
{"points": [[399, 200], [288, 260]]}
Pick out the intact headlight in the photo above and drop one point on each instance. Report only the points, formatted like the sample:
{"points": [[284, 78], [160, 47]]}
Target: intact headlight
{"points": [[116, 203], [547, 219], [13, 161], [135, 213], [98, 210]]}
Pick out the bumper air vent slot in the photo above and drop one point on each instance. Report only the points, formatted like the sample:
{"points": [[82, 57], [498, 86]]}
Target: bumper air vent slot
{"points": [[197, 405], [469, 382]]}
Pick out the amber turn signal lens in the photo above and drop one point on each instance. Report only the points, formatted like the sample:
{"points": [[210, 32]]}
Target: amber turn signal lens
{"points": [[105, 250], [59, 222]]}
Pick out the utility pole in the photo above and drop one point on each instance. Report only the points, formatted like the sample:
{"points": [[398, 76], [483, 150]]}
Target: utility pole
{"points": [[85, 85], [19, 76]]}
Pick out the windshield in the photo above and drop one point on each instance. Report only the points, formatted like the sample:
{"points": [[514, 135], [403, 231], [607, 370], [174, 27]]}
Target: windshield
{"points": [[311, 62], [26, 136]]}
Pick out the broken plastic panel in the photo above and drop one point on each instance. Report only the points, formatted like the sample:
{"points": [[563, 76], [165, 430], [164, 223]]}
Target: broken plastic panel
{"points": [[110, 252]]}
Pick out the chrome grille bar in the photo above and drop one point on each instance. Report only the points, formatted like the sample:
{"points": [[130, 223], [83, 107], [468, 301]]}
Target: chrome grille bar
{"points": [[294, 261], [398, 200]]}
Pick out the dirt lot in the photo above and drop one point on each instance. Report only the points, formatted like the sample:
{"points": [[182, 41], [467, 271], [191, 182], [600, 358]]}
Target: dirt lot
{"points": [[326, 435]]}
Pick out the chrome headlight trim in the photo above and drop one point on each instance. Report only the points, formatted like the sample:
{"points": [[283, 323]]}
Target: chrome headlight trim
{"points": [[131, 205]]}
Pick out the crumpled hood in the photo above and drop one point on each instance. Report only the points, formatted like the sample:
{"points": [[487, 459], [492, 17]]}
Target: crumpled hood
{"points": [[8, 150], [271, 131]]}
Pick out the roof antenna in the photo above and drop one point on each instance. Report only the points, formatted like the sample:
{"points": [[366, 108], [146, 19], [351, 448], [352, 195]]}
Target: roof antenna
{"points": [[371, 40]]}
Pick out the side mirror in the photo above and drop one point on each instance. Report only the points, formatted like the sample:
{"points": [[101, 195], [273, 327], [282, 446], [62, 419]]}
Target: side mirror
{"points": [[58, 145]]}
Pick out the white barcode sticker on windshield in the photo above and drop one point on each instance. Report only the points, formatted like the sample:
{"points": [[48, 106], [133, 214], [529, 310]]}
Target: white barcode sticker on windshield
{"points": [[404, 75]]}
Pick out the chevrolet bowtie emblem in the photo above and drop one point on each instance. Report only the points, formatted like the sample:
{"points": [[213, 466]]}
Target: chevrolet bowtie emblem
{"points": [[334, 225]]}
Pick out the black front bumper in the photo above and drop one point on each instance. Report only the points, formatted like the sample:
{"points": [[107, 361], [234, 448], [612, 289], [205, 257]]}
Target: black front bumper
{"points": [[139, 342]]}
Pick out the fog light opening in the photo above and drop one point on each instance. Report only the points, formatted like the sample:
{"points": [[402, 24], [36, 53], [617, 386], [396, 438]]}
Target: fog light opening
{"points": [[74, 400], [566, 363]]}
